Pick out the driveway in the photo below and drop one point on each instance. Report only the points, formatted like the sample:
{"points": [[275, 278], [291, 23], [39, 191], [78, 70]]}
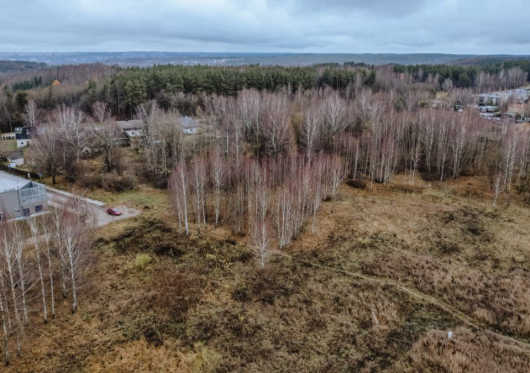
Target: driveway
{"points": [[97, 208]]}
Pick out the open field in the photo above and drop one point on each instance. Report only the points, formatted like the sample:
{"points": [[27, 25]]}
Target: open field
{"points": [[387, 273]]}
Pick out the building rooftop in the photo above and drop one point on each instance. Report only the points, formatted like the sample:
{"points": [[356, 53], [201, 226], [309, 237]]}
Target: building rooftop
{"points": [[9, 182], [132, 124], [14, 156], [188, 122], [490, 95]]}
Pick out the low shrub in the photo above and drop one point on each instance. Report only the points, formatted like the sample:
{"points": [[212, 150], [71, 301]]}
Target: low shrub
{"points": [[142, 260], [356, 183], [90, 181], [140, 356], [110, 182], [115, 183], [176, 293], [407, 189]]}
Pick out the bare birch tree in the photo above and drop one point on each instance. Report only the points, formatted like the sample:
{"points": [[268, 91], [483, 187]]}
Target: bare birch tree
{"points": [[36, 239], [46, 228], [31, 114], [311, 129], [276, 129], [100, 112], [260, 230], [198, 181], [179, 187], [3, 311], [217, 174], [10, 245], [75, 241]]}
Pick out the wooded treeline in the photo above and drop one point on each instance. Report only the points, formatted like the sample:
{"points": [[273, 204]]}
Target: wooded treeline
{"points": [[486, 76], [268, 159], [377, 133], [185, 87]]}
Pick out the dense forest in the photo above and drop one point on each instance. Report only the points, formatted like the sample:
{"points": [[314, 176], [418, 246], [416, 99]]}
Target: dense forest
{"points": [[473, 75], [185, 87]]}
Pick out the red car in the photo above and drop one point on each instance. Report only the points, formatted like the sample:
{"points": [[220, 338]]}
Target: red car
{"points": [[113, 211]]}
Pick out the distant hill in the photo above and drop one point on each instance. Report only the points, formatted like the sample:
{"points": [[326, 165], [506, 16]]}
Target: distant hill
{"points": [[16, 66], [144, 59], [487, 60], [229, 59]]}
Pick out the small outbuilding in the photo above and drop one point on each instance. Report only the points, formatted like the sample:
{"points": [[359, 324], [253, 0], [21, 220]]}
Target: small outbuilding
{"points": [[16, 159]]}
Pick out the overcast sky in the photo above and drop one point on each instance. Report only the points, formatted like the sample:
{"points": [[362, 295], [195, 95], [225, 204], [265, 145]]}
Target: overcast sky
{"points": [[321, 26]]}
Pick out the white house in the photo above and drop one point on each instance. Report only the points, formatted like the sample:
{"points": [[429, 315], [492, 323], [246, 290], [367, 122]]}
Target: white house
{"points": [[16, 159], [22, 143], [189, 125]]}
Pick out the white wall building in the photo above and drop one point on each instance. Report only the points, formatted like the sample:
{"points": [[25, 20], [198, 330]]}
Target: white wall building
{"points": [[16, 159], [189, 125]]}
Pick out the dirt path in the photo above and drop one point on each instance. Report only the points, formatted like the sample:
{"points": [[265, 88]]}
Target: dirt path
{"points": [[466, 319]]}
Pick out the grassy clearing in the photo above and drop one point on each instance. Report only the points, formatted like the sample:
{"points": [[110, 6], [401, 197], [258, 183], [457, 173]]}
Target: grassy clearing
{"points": [[444, 241], [8, 145], [201, 304]]}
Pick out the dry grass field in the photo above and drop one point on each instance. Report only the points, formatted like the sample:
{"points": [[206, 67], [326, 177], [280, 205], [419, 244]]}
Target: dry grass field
{"points": [[386, 275]]}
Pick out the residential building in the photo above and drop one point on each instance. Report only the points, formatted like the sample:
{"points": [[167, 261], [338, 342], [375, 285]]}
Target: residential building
{"points": [[132, 132], [23, 136], [189, 125], [20, 197], [16, 159], [133, 124], [488, 99]]}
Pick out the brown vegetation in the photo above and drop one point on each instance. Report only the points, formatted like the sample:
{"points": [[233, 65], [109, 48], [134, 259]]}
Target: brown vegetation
{"points": [[376, 271], [200, 300]]}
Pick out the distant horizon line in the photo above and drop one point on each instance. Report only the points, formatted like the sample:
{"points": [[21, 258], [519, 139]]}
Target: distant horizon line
{"points": [[280, 53]]}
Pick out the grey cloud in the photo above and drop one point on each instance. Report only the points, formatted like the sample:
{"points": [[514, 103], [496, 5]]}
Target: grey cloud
{"points": [[450, 26], [377, 7]]}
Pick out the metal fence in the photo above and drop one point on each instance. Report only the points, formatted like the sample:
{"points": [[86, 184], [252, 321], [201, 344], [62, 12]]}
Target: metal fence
{"points": [[34, 194]]}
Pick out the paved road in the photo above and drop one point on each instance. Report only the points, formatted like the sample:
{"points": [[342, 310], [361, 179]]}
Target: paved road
{"points": [[96, 208]]}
